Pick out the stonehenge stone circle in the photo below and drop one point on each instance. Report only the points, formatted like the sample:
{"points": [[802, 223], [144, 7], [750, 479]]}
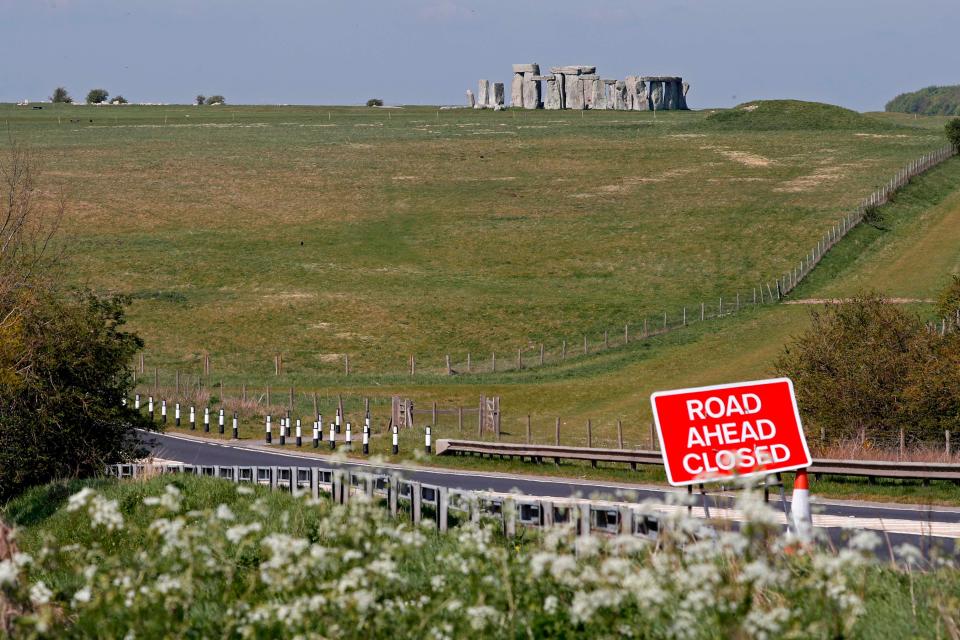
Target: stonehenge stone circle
{"points": [[579, 87]]}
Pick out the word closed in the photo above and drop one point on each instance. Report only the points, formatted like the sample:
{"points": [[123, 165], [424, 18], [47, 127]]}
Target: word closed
{"points": [[742, 429]]}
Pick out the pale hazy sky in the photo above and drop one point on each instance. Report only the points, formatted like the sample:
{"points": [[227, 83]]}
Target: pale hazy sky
{"points": [[857, 53]]}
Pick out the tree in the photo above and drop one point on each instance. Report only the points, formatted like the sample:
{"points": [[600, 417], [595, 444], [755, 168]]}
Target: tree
{"points": [[118, 100], [60, 95], [864, 369], [948, 302], [63, 355], [216, 100], [953, 132], [374, 102], [97, 96], [200, 99]]}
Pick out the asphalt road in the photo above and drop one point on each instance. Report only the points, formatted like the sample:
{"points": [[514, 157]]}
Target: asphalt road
{"points": [[834, 516]]}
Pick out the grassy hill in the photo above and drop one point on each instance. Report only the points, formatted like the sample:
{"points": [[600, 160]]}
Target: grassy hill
{"points": [[323, 232], [791, 115], [930, 101]]}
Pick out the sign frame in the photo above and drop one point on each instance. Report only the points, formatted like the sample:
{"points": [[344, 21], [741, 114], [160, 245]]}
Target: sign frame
{"points": [[719, 387]]}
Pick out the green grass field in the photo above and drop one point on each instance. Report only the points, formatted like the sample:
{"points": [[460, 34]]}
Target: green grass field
{"points": [[317, 232]]}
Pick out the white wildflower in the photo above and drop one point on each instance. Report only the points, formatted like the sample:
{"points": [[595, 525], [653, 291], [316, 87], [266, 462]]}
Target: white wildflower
{"points": [[864, 540], [82, 596], [482, 616], [238, 532], [437, 582], [908, 553], [550, 604], [224, 513], [79, 499], [40, 594], [244, 490], [106, 513], [8, 572]]}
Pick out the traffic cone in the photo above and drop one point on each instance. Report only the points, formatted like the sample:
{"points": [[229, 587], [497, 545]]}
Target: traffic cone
{"points": [[800, 506]]}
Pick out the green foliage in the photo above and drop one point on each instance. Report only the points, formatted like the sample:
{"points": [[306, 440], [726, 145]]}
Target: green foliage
{"points": [[864, 369], [953, 132], [60, 95], [193, 557], [61, 410], [930, 101], [785, 115], [200, 99], [374, 102], [216, 100], [97, 96], [948, 302], [118, 100]]}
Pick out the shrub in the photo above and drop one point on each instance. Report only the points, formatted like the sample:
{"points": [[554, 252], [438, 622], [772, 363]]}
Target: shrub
{"points": [[948, 302], [119, 100], [198, 557], [953, 132], [216, 100], [200, 99], [865, 368], [60, 95], [97, 96], [374, 102]]}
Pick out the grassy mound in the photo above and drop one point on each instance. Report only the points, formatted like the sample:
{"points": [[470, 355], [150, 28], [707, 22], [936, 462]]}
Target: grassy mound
{"points": [[929, 101], [786, 115]]}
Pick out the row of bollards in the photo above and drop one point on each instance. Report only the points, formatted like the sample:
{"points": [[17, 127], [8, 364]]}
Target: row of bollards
{"points": [[286, 427]]}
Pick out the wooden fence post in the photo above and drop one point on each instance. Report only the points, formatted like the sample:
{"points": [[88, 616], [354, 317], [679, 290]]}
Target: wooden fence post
{"points": [[946, 437], [585, 346], [557, 433], [519, 358], [563, 351], [528, 428], [460, 419], [449, 371], [653, 437], [468, 362], [541, 354], [619, 434], [493, 362], [589, 433], [346, 364], [901, 443], [626, 333], [433, 414], [413, 365]]}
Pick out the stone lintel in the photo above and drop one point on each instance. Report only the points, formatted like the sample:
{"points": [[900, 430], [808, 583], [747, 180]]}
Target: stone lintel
{"points": [[661, 78], [533, 67]]}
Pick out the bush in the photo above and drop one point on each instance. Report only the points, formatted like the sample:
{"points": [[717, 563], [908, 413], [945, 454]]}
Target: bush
{"points": [[374, 102], [60, 95], [97, 96], [200, 99], [864, 369], [953, 132], [63, 356], [192, 557], [948, 302], [216, 100], [119, 100]]}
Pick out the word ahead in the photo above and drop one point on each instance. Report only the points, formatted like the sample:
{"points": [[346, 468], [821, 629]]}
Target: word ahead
{"points": [[713, 433]]}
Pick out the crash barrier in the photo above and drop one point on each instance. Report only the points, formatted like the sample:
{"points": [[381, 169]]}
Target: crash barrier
{"points": [[448, 506]]}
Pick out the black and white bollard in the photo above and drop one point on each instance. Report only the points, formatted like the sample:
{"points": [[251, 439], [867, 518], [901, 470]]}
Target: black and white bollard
{"points": [[316, 435], [426, 439], [220, 424], [150, 408], [337, 418], [269, 430], [236, 427], [136, 402], [348, 438], [283, 431], [206, 419], [333, 436], [193, 418], [299, 434], [396, 440], [176, 414], [163, 411], [366, 438]]}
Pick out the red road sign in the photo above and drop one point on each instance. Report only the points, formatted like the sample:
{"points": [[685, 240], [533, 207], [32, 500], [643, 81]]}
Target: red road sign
{"points": [[714, 433]]}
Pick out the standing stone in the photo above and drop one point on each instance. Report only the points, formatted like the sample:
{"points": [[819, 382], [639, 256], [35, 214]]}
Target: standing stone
{"points": [[497, 102], [656, 95], [573, 90], [599, 94], [631, 96], [471, 100], [643, 96], [516, 90], [483, 94], [670, 94], [685, 87], [561, 90], [620, 95], [552, 99], [531, 91]]}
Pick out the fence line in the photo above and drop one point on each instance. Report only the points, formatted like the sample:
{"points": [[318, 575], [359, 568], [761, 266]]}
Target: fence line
{"points": [[763, 293]]}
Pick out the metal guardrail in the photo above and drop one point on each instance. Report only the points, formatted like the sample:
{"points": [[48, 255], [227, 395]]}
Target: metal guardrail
{"points": [[450, 506], [925, 471]]}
